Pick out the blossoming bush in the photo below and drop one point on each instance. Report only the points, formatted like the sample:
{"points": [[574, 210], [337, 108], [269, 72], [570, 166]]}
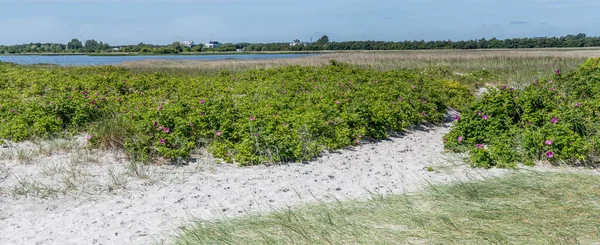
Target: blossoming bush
{"points": [[261, 116], [556, 120]]}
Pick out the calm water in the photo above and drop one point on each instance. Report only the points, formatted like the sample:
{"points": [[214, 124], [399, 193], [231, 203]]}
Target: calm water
{"points": [[84, 60]]}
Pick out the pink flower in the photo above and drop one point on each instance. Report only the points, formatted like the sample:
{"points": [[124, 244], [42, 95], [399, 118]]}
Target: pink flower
{"points": [[558, 72], [400, 99], [424, 101], [252, 118], [51, 102], [460, 138], [166, 130], [357, 141], [162, 141], [412, 86], [552, 89], [93, 102], [479, 146], [549, 154], [141, 93], [160, 128], [255, 135], [119, 99], [159, 107], [201, 113], [218, 133], [457, 118], [549, 81], [423, 114], [485, 117], [201, 101], [155, 123], [578, 104], [478, 113], [191, 125], [554, 120], [548, 142], [88, 137], [359, 136], [284, 91], [337, 102]]}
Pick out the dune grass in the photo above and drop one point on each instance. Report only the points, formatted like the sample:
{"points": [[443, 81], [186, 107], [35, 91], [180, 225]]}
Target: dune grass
{"points": [[512, 66], [520, 208]]}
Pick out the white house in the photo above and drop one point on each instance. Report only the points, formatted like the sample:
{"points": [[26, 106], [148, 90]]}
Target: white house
{"points": [[187, 43], [213, 44], [298, 43]]}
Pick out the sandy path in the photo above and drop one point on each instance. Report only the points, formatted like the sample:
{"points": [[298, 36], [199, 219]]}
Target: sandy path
{"points": [[127, 209]]}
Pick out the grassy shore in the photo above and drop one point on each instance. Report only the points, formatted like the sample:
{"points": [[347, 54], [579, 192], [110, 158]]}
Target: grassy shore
{"points": [[512, 66], [522, 208]]}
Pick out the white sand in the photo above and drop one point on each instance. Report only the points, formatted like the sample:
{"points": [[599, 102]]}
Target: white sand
{"points": [[84, 205]]}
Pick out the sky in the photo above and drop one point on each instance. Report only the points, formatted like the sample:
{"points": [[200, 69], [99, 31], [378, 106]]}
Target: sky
{"points": [[120, 22]]}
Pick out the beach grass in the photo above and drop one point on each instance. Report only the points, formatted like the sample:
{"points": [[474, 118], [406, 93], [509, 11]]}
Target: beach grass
{"points": [[519, 208], [511, 66]]}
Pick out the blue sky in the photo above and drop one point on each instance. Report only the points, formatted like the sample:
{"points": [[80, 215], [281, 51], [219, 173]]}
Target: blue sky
{"points": [[161, 22]]}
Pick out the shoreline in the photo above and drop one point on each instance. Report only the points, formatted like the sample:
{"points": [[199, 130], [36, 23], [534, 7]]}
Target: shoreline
{"points": [[179, 54]]}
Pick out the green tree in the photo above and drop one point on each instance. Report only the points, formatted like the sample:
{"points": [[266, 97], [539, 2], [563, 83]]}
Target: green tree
{"points": [[324, 39], [91, 46], [177, 47], [74, 44]]}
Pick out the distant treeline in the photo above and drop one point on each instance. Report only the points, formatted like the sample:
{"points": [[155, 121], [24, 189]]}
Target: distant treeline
{"points": [[92, 46]]}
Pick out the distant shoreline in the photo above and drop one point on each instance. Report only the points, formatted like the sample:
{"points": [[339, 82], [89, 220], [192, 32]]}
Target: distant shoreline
{"points": [[179, 54]]}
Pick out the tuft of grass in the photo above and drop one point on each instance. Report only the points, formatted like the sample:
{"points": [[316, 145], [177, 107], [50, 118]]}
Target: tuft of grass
{"points": [[117, 180], [24, 156], [112, 132], [26, 187], [521, 208]]}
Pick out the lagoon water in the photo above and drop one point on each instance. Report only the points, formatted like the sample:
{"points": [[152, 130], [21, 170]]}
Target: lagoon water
{"points": [[84, 60]]}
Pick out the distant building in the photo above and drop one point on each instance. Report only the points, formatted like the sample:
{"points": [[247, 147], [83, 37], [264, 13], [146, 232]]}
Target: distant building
{"points": [[188, 44], [297, 42], [213, 44]]}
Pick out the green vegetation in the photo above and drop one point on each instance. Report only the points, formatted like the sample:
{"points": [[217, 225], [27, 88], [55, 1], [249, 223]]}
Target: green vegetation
{"points": [[570, 41], [555, 119], [523, 208], [261, 116]]}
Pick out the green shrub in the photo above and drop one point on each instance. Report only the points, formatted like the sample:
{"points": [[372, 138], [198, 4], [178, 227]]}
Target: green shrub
{"points": [[555, 120], [261, 116]]}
